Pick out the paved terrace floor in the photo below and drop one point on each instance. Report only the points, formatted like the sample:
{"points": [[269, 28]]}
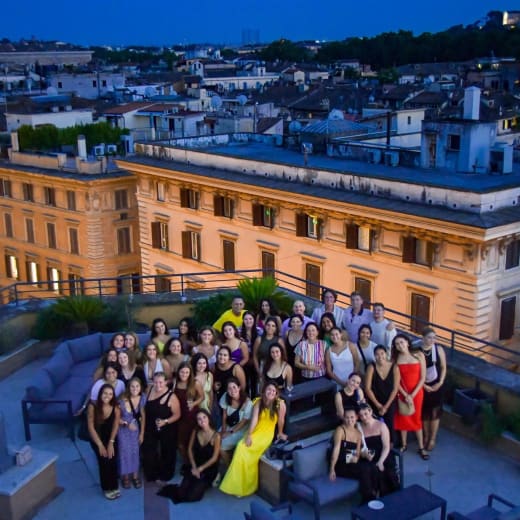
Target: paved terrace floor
{"points": [[461, 471]]}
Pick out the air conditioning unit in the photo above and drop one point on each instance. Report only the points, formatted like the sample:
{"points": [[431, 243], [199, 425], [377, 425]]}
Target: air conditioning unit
{"points": [[374, 156], [391, 158], [99, 149], [111, 149], [501, 159]]}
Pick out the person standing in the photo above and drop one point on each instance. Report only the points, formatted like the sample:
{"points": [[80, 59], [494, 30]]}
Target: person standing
{"points": [[234, 315], [329, 298], [298, 308], [433, 387], [355, 316], [383, 330]]}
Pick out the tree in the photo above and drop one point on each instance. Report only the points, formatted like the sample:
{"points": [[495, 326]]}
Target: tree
{"points": [[284, 50]]}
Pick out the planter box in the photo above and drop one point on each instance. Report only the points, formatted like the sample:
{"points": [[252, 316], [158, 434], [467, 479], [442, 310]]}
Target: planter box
{"points": [[468, 402]]}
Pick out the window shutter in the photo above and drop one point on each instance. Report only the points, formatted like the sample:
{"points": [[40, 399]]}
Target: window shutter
{"points": [[301, 224], [507, 318], [371, 240], [49, 278], [185, 198], [319, 229], [229, 255], [156, 235], [429, 253], [352, 236], [186, 244], [218, 206], [199, 247], [258, 214], [409, 250], [8, 272]]}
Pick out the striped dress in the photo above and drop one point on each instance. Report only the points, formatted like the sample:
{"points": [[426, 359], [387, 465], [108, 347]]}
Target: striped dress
{"points": [[312, 354]]}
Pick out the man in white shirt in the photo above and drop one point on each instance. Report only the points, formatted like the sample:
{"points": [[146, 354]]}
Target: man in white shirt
{"points": [[355, 316], [298, 308], [328, 305], [383, 330]]}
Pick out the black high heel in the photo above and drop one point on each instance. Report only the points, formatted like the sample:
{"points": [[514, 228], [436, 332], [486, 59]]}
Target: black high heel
{"points": [[423, 454]]}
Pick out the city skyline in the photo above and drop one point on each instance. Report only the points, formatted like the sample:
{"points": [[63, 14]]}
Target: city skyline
{"points": [[161, 23]]}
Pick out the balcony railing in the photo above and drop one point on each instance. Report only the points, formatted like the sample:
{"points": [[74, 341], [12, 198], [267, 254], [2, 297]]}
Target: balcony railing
{"points": [[197, 283]]}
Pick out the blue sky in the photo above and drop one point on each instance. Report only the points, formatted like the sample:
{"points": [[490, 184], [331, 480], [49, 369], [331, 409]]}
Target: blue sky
{"points": [[160, 22]]}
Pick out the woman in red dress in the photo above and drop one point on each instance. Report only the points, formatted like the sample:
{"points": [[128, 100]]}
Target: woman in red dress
{"points": [[412, 368]]}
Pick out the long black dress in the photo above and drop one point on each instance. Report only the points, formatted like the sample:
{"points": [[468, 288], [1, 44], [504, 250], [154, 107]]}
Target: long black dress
{"points": [[383, 482], [107, 467], [192, 489], [159, 447], [382, 388]]}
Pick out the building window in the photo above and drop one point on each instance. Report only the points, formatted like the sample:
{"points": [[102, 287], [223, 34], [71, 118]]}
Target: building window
{"points": [[359, 237], [128, 284], [268, 264], [161, 191], [50, 196], [228, 251], [222, 206], [5, 188], [123, 241], [364, 287], [60, 84], [313, 281], [8, 221], [121, 199], [454, 142], [51, 235], [162, 283], [53, 280], [513, 254], [29, 230], [409, 120], [308, 226], [420, 312], [28, 194], [11, 267], [94, 83], [191, 245], [76, 286], [417, 251], [507, 318], [104, 83], [263, 216], [71, 200], [160, 235], [189, 198], [33, 272], [73, 241]]}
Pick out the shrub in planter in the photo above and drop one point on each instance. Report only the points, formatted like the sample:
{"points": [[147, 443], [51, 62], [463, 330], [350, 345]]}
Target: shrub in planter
{"points": [[253, 290], [207, 310], [491, 425]]}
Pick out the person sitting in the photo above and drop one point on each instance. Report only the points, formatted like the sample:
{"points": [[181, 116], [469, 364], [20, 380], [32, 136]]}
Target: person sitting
{"points": [[241, 478], [234, 315], [154, 363], [350, 397], [110, 356], [128, 368], [132, 345], [109, 377], [276, 368]]}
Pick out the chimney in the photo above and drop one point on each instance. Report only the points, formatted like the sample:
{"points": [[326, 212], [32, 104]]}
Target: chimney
{"points": [[82, 147], [15, 144], [472, 103]]}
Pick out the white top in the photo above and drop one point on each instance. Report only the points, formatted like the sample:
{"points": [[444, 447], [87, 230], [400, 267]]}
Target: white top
{"points": [[212, 360], [158, 368], [342, 363], [367, 355], [318, 312], [381, 335], [118, 390]]}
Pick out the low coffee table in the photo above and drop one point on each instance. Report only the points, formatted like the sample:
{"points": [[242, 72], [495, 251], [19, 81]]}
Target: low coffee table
{"points": [[406, 504]]}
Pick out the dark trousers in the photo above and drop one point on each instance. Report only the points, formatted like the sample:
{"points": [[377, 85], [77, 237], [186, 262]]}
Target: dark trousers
{"points": [[107, 470], [191, 489], [159, 451]]}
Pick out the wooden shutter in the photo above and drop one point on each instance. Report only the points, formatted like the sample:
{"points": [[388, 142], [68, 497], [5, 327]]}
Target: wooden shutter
{"points": [[319, 228], [364, 287], [420, 305], [313, 280], [507, 318], [301, 224], [371, 240], [267, 263], [430, 249], [228, 248], [156, 235], [409, 245], [218, 206], [258, 215], [8, 271], [352, 236], [186, 244], [185, 198]]}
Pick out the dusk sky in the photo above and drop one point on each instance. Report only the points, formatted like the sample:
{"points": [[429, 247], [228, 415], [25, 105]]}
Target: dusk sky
{"points": [[115, 22]]}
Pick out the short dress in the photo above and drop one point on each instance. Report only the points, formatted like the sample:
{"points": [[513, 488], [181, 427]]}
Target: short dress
{"points": [[410, 376], [432, 403]]}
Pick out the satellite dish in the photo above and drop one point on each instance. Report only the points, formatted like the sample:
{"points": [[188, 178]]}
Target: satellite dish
{"points": [[336, 115], [149, 92], [242, 99], [295, 127], [216, 102], [51, 91]]}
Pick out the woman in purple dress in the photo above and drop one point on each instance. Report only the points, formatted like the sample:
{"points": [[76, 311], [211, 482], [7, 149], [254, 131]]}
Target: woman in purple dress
{"points": [[131, 433]]}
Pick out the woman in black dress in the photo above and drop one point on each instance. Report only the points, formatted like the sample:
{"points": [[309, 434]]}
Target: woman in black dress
{"points": [[203, 454], [349, 397], [103, 418], [224, 369], [433, 387], [159, 446], [381, 386]]}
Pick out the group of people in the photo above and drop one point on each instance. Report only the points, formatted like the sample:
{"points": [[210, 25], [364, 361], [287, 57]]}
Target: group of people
{"points": [[213, 396]]}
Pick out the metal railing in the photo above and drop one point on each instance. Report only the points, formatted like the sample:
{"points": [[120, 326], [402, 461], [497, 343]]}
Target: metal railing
{"points": [[186, 285]]}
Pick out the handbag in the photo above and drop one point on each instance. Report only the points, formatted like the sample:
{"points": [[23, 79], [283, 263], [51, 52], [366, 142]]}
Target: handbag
{"points": [[404, 407]]}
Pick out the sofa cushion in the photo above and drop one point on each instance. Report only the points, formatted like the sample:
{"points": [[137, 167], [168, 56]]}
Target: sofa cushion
{"points": [[328, 491], [105, 340], [58, 367], [144, 339], [261, 512], [311, 462], [86, 348], [42, 387], [73, 390], [85, 369]]}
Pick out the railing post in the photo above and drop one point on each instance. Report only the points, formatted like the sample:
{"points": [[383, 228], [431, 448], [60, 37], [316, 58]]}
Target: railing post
{"points": [[183, 296], [100, 289], [452, 345], [16, 295]]}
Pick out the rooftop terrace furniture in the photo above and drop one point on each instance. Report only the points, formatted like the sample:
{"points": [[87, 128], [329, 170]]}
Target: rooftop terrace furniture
{"points": [[489, 512], [309, 478], [59, 390], [261, 512]]}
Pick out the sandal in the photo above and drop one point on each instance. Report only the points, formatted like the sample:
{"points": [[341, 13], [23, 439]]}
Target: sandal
{"points": [[136, 482], [423, 454], [430, 446], [126, 482], [402, 449]]}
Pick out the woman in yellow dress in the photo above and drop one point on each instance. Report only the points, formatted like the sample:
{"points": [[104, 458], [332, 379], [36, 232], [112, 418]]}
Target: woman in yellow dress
{"points": [[241, 478]]}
